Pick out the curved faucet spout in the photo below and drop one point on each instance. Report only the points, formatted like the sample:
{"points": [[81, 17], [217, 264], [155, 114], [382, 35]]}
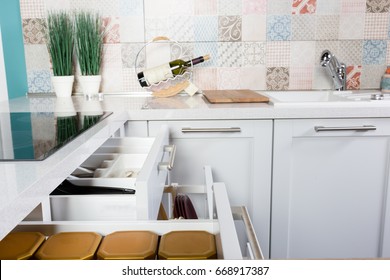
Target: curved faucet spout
{"points": [[335, 69]]}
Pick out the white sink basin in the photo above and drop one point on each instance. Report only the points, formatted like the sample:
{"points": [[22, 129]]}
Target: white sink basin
{"points": [[326, 99]]}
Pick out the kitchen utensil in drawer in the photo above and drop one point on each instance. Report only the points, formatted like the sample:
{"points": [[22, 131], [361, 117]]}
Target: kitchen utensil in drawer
{"points": [[183, 207], [128, 245], [187, 245], [20, 245], [70, 246]]}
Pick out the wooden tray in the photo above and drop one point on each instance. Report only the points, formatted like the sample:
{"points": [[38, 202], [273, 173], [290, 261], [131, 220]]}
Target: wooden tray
{"points": [[234, 96]]}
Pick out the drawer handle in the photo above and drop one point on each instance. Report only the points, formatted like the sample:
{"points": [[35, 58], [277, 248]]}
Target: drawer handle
{"points": [[172, 153], [344, 128], [211, 129]]}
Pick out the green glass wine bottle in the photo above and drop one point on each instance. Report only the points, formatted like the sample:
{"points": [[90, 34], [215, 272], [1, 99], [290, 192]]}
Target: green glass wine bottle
{"points": [[169, 70]]}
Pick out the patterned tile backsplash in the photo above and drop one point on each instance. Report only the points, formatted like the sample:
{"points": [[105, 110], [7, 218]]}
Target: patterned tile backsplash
{"points": [[256, 44]]}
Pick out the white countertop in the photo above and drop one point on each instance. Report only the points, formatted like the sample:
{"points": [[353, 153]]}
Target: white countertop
{"points": [[25, 184]]}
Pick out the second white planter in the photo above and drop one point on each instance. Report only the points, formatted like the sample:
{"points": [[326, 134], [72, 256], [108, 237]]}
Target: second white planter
{"points": [[63, 85], [90, 85]]}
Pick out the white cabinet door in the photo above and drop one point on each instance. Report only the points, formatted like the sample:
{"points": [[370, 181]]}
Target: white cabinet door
{"points": [[330, 187], [240, 153]]}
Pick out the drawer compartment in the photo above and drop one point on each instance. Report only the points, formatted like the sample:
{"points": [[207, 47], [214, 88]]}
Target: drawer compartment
{"points": [[131, 163]]}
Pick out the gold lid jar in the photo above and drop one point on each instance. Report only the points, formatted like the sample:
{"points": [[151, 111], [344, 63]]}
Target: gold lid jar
{"points": [[128, 245], [20, 245], [187, 245], [70, 246]]}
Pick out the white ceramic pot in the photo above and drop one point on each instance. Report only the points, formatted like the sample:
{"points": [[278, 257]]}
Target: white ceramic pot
{"points": [[63, 85], [90, 85]]}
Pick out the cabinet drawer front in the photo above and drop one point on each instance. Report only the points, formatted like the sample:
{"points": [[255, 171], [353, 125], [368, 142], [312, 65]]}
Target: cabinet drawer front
{"points": [[338, 127]]}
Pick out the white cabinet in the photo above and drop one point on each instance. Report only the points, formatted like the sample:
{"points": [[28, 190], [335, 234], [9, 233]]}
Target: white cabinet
{"points": [[240, 153], [330, 196]]}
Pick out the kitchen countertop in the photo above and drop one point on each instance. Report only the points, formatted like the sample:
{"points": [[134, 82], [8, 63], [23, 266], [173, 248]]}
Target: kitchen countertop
{"points": [[26, 184]]}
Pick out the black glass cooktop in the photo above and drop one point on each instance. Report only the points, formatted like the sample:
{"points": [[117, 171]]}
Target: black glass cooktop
{"points": [[35, 136]]}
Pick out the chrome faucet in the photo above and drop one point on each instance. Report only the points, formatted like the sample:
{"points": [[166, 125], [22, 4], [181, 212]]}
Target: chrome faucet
{"points": [[336, 69]]}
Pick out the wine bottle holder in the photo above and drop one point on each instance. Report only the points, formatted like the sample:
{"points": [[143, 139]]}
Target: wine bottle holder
{"points": [[169, 86]]}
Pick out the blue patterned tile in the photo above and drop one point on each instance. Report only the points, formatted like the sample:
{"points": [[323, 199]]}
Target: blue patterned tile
{"points": [[279, 28], [131, 7], [39, 81], [203, 48], [206, 28], [374, 52]]}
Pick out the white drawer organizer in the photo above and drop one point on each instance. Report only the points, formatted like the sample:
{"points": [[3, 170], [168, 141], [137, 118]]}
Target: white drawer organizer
{"points": [[104, 214]]}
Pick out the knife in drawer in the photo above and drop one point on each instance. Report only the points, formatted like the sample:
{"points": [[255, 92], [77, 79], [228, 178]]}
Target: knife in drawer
{"points": [[67, 188]]}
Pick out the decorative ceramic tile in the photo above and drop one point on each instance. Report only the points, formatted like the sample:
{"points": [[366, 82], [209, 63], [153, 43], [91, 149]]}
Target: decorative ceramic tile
{"points": [[132, 29], [254, 28], [131, 8], [37, 57], [87, 5], [278, 28], [254, 7], [181, 28], [374, 52], [327, 27], [321, 79], [253, 78], [353, 77], [111, 25], [278, 54], [155, 27], [229, 7], [111, 79], [303, 54], [230, 54], [205, 78], [376, 26], [129, 54], [388, 54], [351, 27], [304, 6], [277, 78], [167, 8], [228, 78], [32, 9], [378, 6], [205, 7], [351, 52], [34, 31], [206, 28], [210, 48], [353, 6], [181, 7], [332, 46], [130, 82], [254, 53], [303, 27], [183, 50], [300, 78], [230, 28], [371, 76], [39, 81], [279, 7], [108, 8], [328, 7]]}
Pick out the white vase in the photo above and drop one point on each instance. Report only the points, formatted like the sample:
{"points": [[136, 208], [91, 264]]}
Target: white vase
{"points": [[63, 85], [90, 85]]}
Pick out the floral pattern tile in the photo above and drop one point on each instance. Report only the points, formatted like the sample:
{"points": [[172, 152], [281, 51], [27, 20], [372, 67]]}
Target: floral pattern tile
{"points": [[353, 77], [277, 78], [112, 29], [378, 6], [254, 53], [230, 28], [39, 81], [374, 52], [279, 28], [34, 31], [304, 6], [182, 50]]}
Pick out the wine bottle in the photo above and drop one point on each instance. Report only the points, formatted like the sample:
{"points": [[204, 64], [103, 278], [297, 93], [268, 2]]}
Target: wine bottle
{"points": [[169, 70]]}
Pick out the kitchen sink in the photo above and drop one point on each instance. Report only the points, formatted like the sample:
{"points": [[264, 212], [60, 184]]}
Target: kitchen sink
{"points": [[328, 98]]}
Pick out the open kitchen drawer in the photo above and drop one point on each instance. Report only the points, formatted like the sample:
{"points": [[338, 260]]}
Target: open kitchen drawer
{"points": [[235, 237]]}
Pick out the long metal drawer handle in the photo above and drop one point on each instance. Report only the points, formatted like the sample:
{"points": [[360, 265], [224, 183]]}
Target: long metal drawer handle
{"points": [[172, 153], [344, 128], [211, 129]]}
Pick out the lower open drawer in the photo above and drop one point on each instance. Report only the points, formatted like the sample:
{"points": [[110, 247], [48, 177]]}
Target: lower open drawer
{"points": [[235, 237]]}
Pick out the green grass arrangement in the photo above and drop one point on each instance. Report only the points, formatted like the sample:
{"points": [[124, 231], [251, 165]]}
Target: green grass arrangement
{"points": [[60, 42], [89, 36]]}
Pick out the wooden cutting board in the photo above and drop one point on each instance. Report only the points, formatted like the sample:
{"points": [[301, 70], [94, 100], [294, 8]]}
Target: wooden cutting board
{"points": [[234, 96]]}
